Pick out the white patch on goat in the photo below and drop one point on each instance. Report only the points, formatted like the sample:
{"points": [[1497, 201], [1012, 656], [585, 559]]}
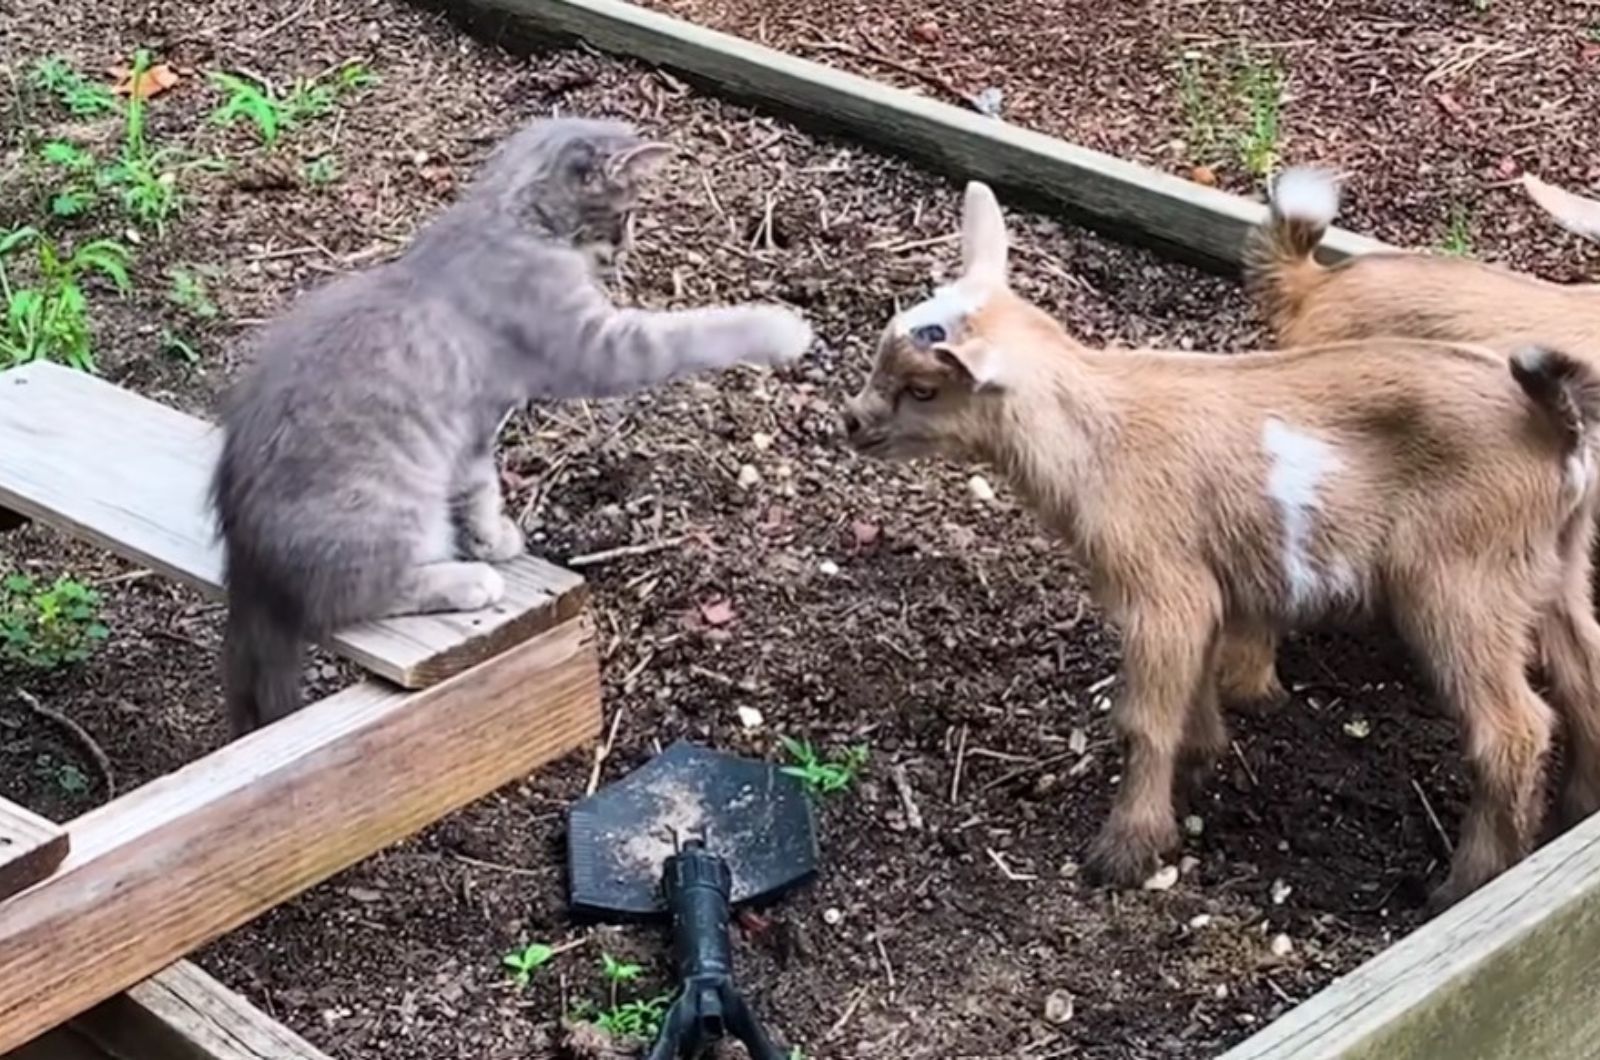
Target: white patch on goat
{"points": [[949, 306], [1305, 194], [1300, 463]]}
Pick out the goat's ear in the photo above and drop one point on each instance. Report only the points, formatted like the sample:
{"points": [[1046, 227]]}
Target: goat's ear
{"points": [[1572, 212], [973, 362], [983, 235]]}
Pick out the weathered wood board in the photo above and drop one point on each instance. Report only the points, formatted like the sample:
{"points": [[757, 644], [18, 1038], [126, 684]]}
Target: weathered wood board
{"points": [[196, 853], [1121, 198], [30, 848], [131, 475]]}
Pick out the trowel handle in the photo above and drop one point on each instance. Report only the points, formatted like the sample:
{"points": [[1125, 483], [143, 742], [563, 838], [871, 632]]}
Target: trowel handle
{"points": [[698, 885]]}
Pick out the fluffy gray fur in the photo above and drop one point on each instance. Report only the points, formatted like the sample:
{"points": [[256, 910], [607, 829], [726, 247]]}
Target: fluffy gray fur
{"points": [[357, 478]]}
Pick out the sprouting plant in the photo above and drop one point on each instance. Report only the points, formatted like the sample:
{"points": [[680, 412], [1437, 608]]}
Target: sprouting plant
{"points": [[188, 292], [640, 1018], [1260, 87], [273, 112], [1199, 110], [321, 171], [1457, 240], [524, 962], [177, 346], [82, 98], [824, 777], [75, 192], [66, 776], [617, 972], [50, 319], [44, 627]]}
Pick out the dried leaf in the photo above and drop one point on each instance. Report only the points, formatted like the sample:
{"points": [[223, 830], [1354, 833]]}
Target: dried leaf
{"points": [[717, 612], [927, 31], [1204, 175], [865, 533], [1449, 104], [152, 82]]}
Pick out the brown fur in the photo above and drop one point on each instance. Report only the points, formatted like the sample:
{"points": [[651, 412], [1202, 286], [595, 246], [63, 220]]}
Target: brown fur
{"points": [[1425, 296], [1434, 487]]}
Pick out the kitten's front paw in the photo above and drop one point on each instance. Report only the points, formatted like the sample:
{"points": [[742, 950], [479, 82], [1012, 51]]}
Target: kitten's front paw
{"points": [[479, 586], [782, 336], [503, 542]]}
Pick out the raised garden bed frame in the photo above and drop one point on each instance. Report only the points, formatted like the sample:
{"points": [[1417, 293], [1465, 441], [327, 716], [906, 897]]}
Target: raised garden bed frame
{"points": [[1511, 972], [96, 915]]}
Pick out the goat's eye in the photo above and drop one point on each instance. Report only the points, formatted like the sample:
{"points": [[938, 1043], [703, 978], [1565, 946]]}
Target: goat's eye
{"points": [[921, 391], [928, 334]]}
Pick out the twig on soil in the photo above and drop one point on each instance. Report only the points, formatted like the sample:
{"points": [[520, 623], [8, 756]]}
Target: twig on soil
{"points": [[495, 866], [1245, 762], [86, 742], [1009, 873], [1433, 818], [849, 1010], [883, 955], [287, 20], [126, 576], [961, 758], [894, 64], [1023, 771], [603, 752], [592, 559], [908, 800]]}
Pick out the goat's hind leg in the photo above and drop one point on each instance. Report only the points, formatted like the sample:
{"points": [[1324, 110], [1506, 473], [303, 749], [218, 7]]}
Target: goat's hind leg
{"points": [[1247, 668], [1205, 736], [1473, 639], [1569, 641]]}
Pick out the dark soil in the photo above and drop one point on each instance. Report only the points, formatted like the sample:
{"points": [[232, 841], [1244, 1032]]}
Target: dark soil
{"points": [[881, 605], [1433, 108]]}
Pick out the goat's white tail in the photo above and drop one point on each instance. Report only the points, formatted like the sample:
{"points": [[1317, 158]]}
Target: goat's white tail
{"points": [[1278, 264], [1568, 391]]}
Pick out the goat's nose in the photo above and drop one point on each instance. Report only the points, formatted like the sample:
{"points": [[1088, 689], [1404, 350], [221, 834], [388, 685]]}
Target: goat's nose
{"points": [[852, 423]]}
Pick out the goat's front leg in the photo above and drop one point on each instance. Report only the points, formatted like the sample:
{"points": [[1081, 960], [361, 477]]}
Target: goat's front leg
{"points": [[487, 533], [1166, 647]]}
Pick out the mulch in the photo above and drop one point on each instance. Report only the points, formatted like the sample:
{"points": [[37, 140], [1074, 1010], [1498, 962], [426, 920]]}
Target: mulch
{"points": [[854, 602]]}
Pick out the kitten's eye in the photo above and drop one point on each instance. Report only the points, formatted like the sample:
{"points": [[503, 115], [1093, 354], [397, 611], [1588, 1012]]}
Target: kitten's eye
{"points": [[921, 391], [928, 334]]}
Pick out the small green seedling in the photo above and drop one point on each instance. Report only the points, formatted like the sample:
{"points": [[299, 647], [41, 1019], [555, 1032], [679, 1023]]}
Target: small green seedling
{"points": [[175, 345], [189, 293], [271, 112], [75, 190], [823, 777], [640, 1018], [45, 627], [321, 171], [1457, 240], [1199, 110], [1260, 86], [524, 962], [82, 98], [66, 776], [617, 972], [50, 319], [145, 179]]}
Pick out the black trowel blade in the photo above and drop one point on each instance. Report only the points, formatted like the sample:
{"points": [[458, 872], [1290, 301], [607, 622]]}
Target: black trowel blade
{"points": [[750, 814]]}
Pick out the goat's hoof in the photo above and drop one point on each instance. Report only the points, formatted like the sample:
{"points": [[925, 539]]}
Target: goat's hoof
{"points": [[1254, 698], [1120, 858]]}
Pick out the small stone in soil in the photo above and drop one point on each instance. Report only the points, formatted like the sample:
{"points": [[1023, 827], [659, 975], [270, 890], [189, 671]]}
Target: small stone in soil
{"points": [[1194, 824], [832, 917], [1164, 880], [1058, 1007], [1280, 892], [980, 489], [1201, 921], [748, 476], [1282, 946], [750, 717], [828, 567]]}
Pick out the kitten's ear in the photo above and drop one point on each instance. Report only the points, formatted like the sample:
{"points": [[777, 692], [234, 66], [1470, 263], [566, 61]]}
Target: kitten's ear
{"points": [[639, 163], [983, 236], [1572, 212]]}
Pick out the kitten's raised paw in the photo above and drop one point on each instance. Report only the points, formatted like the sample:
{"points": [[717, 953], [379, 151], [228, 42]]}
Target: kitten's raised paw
{"points": [[783, 336], [504, 542]]}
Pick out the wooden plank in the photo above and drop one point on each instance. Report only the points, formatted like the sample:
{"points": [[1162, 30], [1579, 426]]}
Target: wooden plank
{"points": [[131, 475], [173, 865], [182, 1013], [1512, 971], [30, 848], [1121, 198]]}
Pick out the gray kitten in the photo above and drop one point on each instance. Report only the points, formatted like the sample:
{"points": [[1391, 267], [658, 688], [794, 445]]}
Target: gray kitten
{"points": [[357, 477]]}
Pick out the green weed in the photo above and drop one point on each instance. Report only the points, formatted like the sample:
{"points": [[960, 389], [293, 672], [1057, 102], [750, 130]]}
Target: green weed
{"points": [[321, 171], [64, 775], [1457, 240], [189, 293], [1259, 84], [824, 777], [175, 345], [273, 112], [75, 191], [50, 319], [524, 962], [640, 1018], [82, 98], [1199, 110], [44, 627]]}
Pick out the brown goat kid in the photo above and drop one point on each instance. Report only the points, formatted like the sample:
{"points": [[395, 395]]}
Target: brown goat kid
{"points": [[1424, 296], [1206, 494]]}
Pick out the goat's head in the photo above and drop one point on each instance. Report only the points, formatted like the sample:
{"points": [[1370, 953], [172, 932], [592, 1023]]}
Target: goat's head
{"points": [[942, 366]]}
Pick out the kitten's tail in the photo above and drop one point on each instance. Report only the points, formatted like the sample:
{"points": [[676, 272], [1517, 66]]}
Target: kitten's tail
{"points": [[262, 655]]}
